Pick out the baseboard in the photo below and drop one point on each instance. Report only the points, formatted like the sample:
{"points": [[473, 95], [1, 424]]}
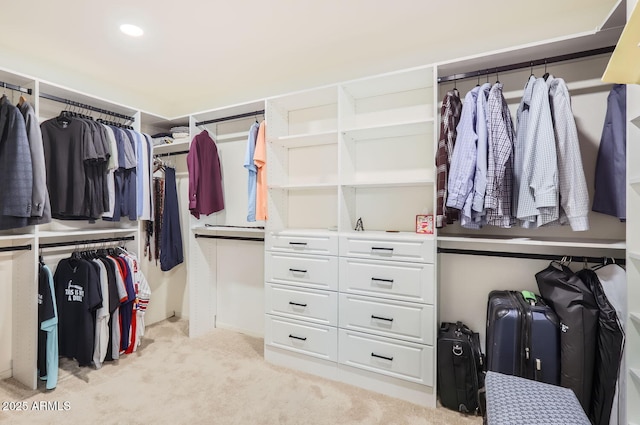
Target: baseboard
{"points": [[229, 327], [5, 374], [421, 395]]}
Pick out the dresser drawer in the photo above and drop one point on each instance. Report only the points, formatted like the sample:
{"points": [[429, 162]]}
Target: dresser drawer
{"points": [[320, 272], [396, 319], [404, 360], [317, 244], [382, 246], [398, 280], [313, 340], [304, 304]]}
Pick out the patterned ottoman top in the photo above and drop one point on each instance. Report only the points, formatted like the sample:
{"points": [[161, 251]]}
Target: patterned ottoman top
{"points": [[512, 400]]}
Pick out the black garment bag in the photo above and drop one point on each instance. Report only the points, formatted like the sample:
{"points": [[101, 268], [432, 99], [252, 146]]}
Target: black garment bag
{"points": [[578, 312], [608, 354]]}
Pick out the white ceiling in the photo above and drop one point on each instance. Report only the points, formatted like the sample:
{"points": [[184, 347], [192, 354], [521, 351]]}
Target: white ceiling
{"points": [[199, 55]]}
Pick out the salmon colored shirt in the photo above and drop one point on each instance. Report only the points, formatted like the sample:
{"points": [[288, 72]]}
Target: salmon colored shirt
{"points": [[260, 161]]}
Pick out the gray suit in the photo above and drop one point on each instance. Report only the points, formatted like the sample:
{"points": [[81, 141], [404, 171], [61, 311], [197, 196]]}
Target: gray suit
{"points": [[16, 169], [40, 206]]}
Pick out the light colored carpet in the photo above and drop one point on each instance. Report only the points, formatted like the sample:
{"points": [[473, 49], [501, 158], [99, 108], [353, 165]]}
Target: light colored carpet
{"points": [[220, 378]]}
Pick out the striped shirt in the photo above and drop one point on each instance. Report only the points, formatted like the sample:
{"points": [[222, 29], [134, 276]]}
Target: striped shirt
{"points": [[449, 119]]}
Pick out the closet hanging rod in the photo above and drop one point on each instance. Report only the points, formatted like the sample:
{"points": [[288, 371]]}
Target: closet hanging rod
{"points": [[16, 248], [528, 256], [15, 88], [87, 241], [158, 155], [528, 64], [232, 117], [85, 106], [233, 238], [234, 227]]}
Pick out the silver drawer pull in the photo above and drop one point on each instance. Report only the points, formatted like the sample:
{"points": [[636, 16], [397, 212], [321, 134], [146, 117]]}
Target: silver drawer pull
{"points": [[297, 304], [297, 271], [377, 279], [381, 357], [380, 248], [373, 316], [298, 243], [301, 338]]}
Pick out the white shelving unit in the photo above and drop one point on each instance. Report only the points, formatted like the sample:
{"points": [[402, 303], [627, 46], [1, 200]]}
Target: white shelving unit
{"points": [[222, 244], [18, 311], [359, 149], [622, 69]]}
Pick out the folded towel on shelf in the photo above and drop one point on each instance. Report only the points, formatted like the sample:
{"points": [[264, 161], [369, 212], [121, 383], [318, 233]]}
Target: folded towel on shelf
{"points": [[180, 129]]}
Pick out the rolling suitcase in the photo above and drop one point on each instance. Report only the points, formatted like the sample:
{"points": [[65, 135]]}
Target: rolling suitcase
{"points": [[460, 368], [523, 336]]}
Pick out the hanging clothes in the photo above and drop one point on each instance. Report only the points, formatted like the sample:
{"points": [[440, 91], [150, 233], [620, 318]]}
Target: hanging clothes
{"points": [[572, 185], [252, 170], [578, 312], [16, 166], [482, 151], [536, 170], [171, 251], [40, 205], [611, 166], [68, 150], [608, 352], [101, 339], [48, 328], [613, 279], [501, 135], [463, 162], [205, 176], [260, 161], [77, 296], [449, 119]]}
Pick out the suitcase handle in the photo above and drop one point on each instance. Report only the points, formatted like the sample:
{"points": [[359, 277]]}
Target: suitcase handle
{"points": [[529, 297]]}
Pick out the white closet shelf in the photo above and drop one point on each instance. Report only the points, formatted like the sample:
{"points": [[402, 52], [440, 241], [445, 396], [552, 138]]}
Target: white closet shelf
{"points": [[307, 231], [635, 181], [240, 136], [384, 131], [176, 146], [389, 183], [390, 83], [310, 186], [51, 234], [16, 237], [635, 317], [634, 255], [217, 229], [569, 243], [306, 140], [306, 99], [384, 234], [635, 373]]}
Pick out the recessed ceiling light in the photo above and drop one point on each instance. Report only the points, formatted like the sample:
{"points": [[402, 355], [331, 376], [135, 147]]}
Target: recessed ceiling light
{"points": [[132, 30]]}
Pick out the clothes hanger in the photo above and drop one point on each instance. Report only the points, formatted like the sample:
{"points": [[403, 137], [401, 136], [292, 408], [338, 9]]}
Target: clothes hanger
{"points": [[546, 74], [497, 77]]}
